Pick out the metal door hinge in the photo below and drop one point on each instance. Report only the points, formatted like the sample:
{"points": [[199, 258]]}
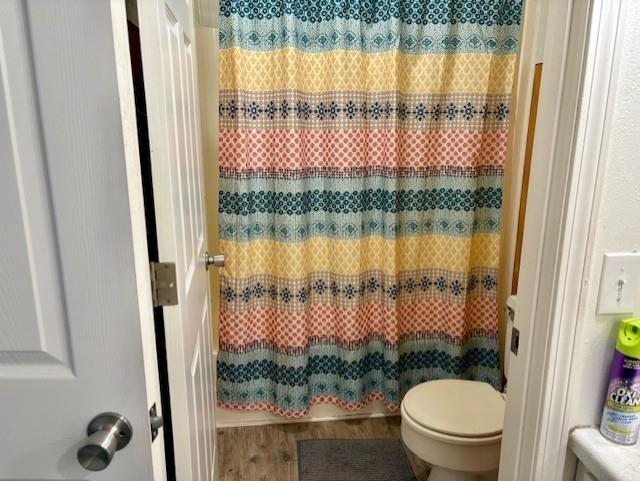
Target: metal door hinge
{"points": [[163, 284], [156, 422]]}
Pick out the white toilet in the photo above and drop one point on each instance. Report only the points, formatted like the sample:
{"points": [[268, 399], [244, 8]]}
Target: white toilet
{"points": [[455, 426]]}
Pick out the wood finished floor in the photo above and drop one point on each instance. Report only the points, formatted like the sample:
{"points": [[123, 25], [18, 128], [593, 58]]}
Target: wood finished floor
{"points": [[268, 453]]}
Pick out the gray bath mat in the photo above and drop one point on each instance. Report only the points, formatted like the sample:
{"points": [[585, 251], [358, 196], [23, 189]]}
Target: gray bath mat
{"points": [[353, 460]]}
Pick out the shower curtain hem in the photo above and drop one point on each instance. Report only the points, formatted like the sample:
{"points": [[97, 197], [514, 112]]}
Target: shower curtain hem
{"points": [[315, 401]]}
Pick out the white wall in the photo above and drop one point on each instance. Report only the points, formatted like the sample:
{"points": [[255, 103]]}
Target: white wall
{"points": [[616, 228], [208, 89]]}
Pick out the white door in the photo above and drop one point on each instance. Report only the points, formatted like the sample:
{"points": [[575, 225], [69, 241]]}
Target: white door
{"points": [[71, 345], [168, 55]]}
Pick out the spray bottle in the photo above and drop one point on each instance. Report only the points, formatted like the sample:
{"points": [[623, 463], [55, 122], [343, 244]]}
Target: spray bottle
{"points": [[621, 414]]}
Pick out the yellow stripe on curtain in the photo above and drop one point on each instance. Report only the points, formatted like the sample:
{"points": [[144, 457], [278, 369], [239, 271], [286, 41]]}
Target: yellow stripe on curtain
{"points": [[370, 72], [352, 257]]}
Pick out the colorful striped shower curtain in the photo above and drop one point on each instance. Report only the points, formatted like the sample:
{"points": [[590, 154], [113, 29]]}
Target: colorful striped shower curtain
{"points": [[362, 146]]}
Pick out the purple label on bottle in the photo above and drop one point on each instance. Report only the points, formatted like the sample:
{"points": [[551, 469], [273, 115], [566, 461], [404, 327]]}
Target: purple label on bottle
{"points": [[621, 415]]}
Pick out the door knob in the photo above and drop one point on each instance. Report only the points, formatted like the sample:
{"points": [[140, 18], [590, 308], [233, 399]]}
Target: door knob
{"points": [[108, 432], [216, 261]]}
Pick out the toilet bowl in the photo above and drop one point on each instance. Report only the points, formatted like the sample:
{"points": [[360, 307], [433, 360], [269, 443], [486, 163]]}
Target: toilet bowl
{"points": [[456, 427]]}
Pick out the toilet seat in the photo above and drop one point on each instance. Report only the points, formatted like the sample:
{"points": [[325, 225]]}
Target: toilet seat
{"points": [[456, 409], [446, 439]]}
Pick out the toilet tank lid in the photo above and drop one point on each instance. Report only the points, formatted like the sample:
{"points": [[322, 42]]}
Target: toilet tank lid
{"points": [[456, 407]]}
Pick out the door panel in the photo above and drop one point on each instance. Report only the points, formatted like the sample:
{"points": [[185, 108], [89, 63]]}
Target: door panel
{"points": [[70, 341], [30, 343], [172, 105]]}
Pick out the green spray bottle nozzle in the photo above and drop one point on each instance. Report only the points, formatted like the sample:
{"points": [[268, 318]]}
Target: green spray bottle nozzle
{"points": [[628, 342]]}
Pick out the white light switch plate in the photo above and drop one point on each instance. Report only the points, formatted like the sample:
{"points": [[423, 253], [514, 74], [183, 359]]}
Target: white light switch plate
{"points": [[619, 283]]}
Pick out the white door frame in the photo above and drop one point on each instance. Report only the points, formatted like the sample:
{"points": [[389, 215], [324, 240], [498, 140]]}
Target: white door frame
{"points": [[580, 57], [580, 68], [138, 223]]}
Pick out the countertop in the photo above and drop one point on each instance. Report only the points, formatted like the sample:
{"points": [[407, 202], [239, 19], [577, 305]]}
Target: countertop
{"points": [[607, 461]]}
